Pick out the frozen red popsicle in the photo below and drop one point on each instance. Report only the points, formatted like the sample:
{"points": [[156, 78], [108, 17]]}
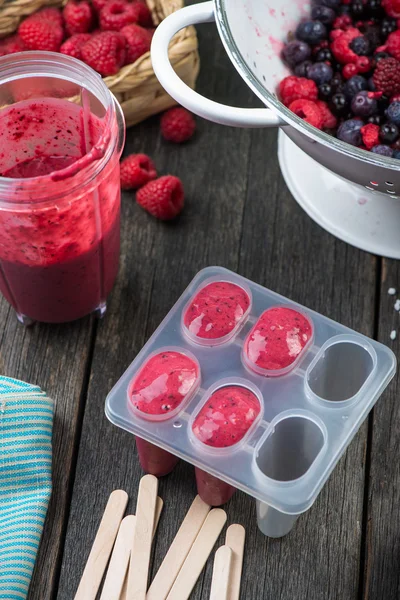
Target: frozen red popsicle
{"points": [[216, 310], [160, 388], [222, 422], [277, 339]]}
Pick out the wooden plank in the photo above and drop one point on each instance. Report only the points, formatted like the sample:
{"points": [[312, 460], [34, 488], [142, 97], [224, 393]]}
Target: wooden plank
{"points": [[158, 262], [55, 357], [382, 532]]}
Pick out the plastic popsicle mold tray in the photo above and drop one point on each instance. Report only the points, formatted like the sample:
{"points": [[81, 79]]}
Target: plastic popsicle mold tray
{"points": [[310, 409]]}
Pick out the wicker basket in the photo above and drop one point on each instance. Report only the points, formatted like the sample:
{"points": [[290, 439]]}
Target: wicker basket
{"points": [[135, 86]]}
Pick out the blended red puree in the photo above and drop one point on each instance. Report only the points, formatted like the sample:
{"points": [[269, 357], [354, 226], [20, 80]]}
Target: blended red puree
{"points": [[216, 310], [226, 417], [58, 261], [164, 382], [277, 338]]}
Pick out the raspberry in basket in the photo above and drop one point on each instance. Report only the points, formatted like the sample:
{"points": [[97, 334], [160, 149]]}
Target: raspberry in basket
{"points": [[99, 4], [137, 170], [297, 88], [40, 35], [50, 13], [116, 14], [12, 44], [138, 41], [309, 111], [73, 45], [387, 76], [143, 14], [78, 16], [163, 198], [177, 125], [105, 52]]}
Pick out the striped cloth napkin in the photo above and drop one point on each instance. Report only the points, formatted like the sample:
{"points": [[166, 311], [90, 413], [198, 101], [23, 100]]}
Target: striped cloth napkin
{"points": [[26, 423]]}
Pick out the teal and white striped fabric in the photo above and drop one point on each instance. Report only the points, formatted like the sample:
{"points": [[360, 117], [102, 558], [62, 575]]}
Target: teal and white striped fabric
{"points": [[26, 423]]}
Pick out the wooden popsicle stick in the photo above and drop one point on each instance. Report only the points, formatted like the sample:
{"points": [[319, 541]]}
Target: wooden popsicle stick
{"points": [[102, 546], [198, 555], [142, 539], [178, 550], [235, 536], [221, 574], [119, 562], [159, 507]]}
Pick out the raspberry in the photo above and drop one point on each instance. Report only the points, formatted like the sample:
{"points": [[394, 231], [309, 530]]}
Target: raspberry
{"points": [[40, 35], [12, 44], [393, 44], [162, 198], [363, 64], [329, 119], [137, 170], [73, 45], [177, 125], [392, 8], [296, 88], [387, 76], [78, 17], [309, 111], [370, 135], [116, 15], [342, 22], [143, 14], [51, 14], [341, 46], [138, 41], [99, 4], [105, 52]]}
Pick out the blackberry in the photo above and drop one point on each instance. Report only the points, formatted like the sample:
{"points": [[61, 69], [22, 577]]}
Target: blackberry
{"points": [[373, 8], [323, 55], [389, 133], [344, 9], [337, 82], [375, 119], [357, 9], [380, 55], [388, 26], [373, 35]]}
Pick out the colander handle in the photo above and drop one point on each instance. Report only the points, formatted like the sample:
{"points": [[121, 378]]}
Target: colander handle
{"points": [[182, 93]]}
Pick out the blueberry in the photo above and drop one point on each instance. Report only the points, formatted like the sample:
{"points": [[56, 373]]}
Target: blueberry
{"points": [[355, 84], [389, 133], [339, 104], [393, 113], [324, 14], [383, 103], [396, 154], [301, 70], [363, 106], [325, 91], [388, 26], [311, 32], [375, 119], [383, 150], [320, 73], [349, 131], [323, 55], [361, 46], [296, 52]]}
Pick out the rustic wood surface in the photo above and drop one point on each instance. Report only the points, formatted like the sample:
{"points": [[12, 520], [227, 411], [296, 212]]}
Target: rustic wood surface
{"points": [[239, 214]]}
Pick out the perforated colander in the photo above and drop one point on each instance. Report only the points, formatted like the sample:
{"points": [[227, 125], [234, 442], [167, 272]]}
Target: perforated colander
{"points": [[253, 32]]}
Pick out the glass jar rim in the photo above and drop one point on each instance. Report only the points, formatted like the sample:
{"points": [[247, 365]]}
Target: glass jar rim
{"points": [[32, 64]]}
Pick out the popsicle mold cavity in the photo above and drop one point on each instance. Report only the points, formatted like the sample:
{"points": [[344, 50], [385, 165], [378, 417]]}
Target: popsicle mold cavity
{"points": [[290, 448], [339, 371], [216, 313], [277, 341], [164, 384], [226, 416]]}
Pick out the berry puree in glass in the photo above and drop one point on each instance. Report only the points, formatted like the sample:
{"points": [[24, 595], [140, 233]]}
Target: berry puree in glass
{"points": [[223, 421], [58, 254], [216, 310], [163, 384], [277, 340]]}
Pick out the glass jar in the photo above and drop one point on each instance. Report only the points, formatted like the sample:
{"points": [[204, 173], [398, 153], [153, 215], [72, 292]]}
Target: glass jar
{"points": [[61, 137]]}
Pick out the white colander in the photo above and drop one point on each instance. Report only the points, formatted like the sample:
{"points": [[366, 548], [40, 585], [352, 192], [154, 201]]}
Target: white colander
{"points": [[356, 196]]}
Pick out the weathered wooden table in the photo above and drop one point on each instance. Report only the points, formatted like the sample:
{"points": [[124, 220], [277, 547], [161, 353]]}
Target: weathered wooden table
{"points": [[239, 214]]}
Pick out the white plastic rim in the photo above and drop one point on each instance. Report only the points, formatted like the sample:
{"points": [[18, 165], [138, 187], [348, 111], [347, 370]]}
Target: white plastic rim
{"points": [[365, 219], [182, 93]]}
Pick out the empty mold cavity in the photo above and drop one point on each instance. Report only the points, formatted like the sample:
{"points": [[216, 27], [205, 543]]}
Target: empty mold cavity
{"points": [[339, 371], [290, 449]]}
